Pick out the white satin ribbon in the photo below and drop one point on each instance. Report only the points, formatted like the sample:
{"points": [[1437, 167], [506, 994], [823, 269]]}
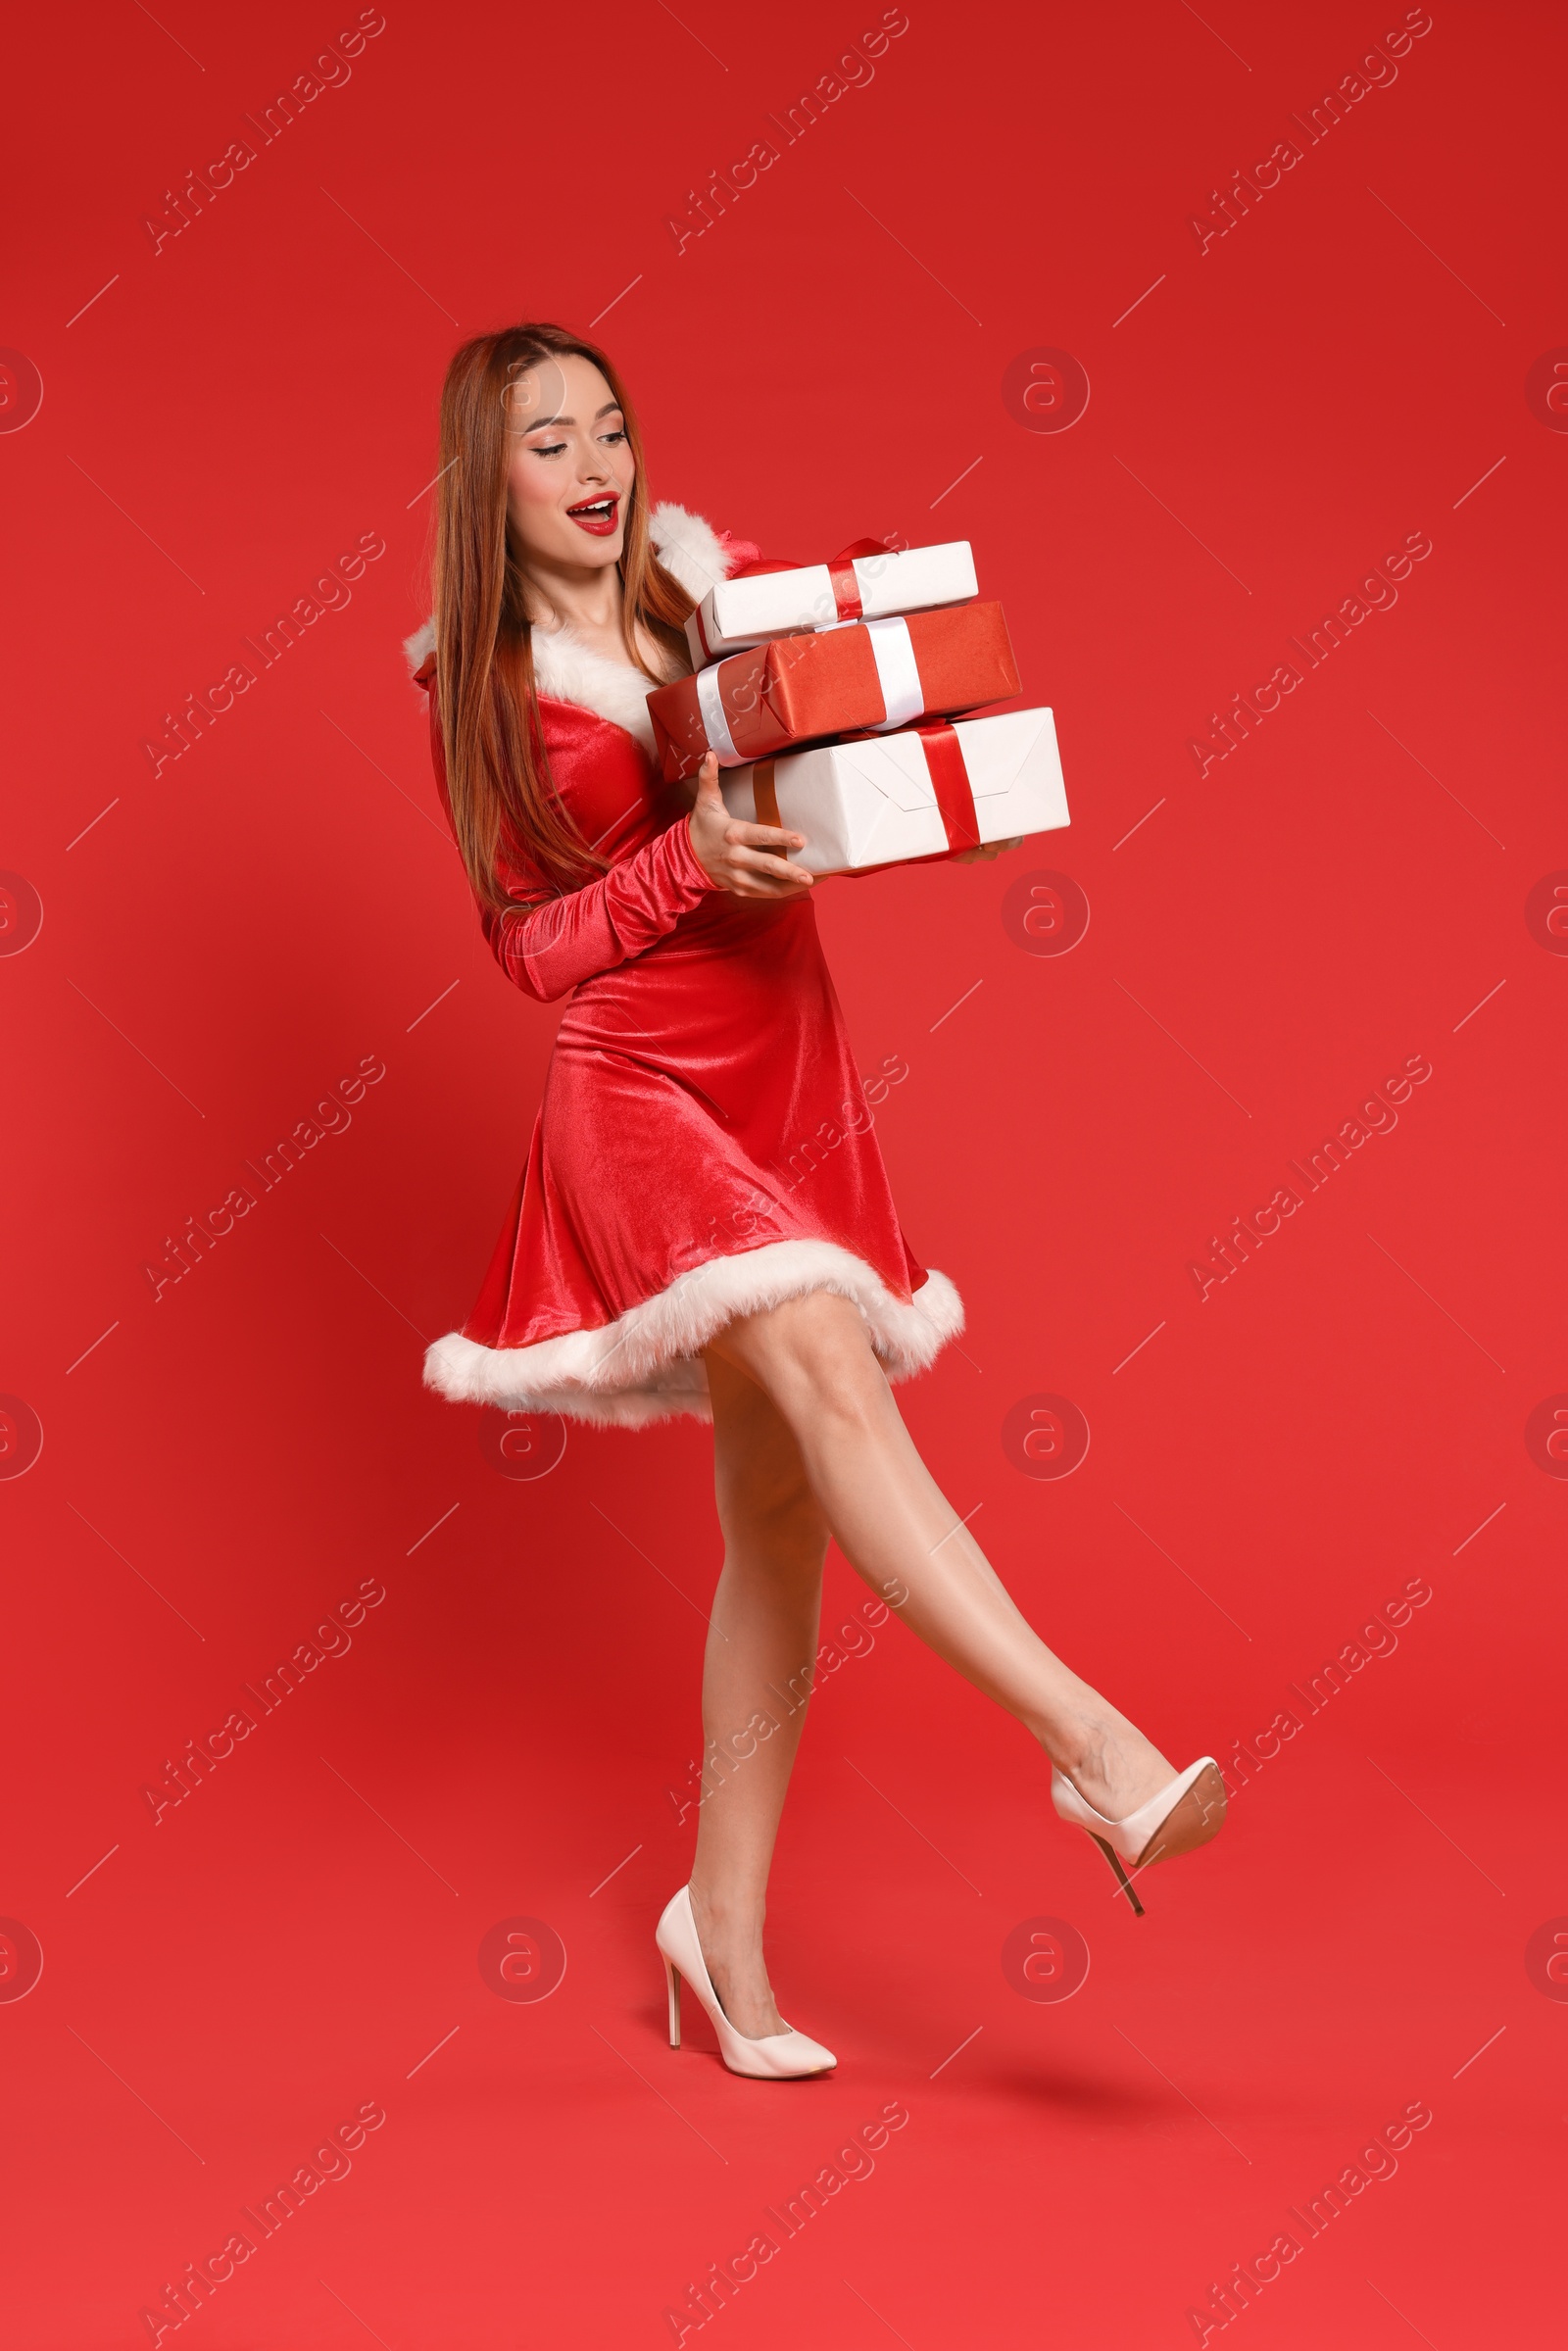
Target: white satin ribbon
{"points": [[896, 671], [716, 725]]}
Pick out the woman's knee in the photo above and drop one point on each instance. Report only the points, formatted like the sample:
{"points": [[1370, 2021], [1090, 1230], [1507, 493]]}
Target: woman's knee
{"points": [[814, 1357]]}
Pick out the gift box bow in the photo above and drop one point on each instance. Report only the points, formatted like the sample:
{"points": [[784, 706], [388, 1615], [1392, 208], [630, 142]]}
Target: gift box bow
{"points": [[840, 571], [846, 603], [876, 674]]}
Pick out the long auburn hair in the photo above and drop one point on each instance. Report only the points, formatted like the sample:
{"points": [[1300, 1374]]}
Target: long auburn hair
{"points": [[498, 774]]}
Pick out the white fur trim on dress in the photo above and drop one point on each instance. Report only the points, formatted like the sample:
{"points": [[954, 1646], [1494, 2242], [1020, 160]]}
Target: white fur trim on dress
{"points": [[648, 1365], [565, 670], [568, 671], [690, 549]]}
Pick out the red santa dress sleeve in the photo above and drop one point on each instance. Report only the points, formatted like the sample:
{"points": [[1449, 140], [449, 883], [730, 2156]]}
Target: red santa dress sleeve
{"points": [[556, 939]]}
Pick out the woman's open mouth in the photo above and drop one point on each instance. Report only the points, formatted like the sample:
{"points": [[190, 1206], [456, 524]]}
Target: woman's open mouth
{"points": [[598, 516]]}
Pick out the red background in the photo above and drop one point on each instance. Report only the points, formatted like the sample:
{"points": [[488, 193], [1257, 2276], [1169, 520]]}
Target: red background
{"points": [[225, 418]]}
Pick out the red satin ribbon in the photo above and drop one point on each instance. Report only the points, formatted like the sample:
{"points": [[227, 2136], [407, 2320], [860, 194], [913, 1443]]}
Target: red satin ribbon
{"points": [[841, 571], [949, 780]]}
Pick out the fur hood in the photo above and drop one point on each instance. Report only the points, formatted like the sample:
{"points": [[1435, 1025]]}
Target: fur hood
{"points": [[568, 671]]}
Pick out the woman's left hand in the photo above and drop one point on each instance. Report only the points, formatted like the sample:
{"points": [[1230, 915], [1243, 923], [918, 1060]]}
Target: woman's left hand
{"points": [[987, 849]]}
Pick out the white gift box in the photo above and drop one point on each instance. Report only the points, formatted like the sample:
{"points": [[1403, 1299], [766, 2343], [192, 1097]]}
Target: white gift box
{"points": [[740, 613], [876, 803]]}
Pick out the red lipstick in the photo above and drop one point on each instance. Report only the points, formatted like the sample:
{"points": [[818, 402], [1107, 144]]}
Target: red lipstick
{"points": [[598, 517]]}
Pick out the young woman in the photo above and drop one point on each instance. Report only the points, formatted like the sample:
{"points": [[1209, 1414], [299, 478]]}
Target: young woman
{"points": [[673, 1246]]}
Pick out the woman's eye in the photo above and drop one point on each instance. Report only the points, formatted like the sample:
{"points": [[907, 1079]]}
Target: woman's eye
{"points": [[548, 449], [619, 434]]}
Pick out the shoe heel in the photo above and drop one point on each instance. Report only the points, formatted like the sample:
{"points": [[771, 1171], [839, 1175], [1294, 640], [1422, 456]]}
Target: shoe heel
{"points": [[1125, 1882], [672, 1986], [1195, 1821]]}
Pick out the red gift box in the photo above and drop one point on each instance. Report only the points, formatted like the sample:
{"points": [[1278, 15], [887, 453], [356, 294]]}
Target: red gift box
{"points": [[869, 676]]}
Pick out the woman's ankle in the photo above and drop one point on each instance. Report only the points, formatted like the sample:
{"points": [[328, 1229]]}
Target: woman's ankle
{"points": [[1106, 1753], [725, 1921]]}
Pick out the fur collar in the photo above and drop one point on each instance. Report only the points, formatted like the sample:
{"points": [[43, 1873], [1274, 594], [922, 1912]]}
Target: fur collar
{"points": [[565, 670], [568, 671], [688, 548]]}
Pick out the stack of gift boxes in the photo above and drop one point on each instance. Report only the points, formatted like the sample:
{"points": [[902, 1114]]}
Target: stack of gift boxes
{"points": [[831, 695]]}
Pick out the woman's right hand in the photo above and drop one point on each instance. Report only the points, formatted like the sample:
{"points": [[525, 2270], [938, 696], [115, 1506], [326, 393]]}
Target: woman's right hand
{"points": [[747, 859]]}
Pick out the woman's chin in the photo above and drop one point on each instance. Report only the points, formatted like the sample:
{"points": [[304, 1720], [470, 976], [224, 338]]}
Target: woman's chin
{"points": [[593, 553]]}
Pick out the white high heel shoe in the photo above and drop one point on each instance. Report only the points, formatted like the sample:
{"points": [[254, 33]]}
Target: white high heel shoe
{"points": [[777, 2056], [1186, 1814]]}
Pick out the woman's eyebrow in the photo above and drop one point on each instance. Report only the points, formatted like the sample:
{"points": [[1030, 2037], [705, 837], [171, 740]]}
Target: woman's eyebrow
{"points": [[612, 408]]}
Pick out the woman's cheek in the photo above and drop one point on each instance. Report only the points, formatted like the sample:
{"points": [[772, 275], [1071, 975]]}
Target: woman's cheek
{"points": [[530, 483]]}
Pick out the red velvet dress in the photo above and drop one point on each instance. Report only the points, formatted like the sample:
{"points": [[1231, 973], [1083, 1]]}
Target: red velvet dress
{"points": [[704, 1147]]}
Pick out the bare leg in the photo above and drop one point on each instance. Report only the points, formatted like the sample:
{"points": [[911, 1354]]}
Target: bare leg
{"points": [[813, 1357], [761, 1645]]}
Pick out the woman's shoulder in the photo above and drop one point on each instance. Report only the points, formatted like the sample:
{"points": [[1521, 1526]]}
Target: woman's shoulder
{"points": [[590, 708], [690, 549]]}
